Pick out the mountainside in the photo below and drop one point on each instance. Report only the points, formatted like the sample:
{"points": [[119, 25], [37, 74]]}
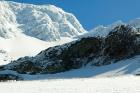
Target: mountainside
{"points": [[23, 45], [45, 22], [27, 29], [103, 31], [122, 43]]}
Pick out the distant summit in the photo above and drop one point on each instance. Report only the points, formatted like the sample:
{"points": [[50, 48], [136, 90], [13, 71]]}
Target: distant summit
{"points": [[45, 22]]}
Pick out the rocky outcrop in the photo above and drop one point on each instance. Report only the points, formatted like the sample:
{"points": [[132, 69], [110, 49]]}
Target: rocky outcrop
{"points": [[8, 77], [121, 43], [80, 52]]}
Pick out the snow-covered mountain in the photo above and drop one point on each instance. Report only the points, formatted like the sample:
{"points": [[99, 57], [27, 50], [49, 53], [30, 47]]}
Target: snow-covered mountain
{"points": [[45, 22], [135, 23], [120, 44], [116, 54], [27, 29], [103, 31]]}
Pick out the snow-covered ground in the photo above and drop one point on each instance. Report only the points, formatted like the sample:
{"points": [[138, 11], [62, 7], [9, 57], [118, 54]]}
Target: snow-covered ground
{"points": [[23, 45], [127, 84], [115, 78]]}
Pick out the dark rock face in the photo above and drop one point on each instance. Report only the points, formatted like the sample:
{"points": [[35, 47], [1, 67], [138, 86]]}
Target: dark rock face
{"points": [[122, 42], [8, 77], [59, 58], [119, 44], [83, 49], [1, 68], [27, 67]]}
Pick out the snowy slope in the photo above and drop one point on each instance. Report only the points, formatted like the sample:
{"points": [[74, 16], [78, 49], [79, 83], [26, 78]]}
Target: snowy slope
{"points": [[8, 23], [23, 45], [122, 68], [101, 30], [45, 22], [135, 23], [27, 29], [4, 57]]}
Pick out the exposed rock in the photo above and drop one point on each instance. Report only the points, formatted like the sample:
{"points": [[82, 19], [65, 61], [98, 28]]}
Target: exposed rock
{"points": [[75, 55], [1, 68], [8, 77], [122, 42], [27, 67]]}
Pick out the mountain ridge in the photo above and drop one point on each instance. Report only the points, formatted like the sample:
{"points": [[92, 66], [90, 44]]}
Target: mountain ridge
{"points": [[45, 22], [27, 29], [120, 44]]}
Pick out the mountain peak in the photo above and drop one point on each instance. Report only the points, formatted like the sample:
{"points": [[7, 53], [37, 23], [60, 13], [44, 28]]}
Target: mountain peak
{"points": [[45, 22]]}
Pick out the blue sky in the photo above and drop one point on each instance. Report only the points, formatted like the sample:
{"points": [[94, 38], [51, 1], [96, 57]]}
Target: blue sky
{"points": [[92, 13]]}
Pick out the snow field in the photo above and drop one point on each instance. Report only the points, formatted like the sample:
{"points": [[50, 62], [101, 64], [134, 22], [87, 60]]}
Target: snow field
{"points": [[123, 84]]}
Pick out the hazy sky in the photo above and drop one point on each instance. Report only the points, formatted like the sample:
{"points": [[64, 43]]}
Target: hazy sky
{"points": [[92, 13]]}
